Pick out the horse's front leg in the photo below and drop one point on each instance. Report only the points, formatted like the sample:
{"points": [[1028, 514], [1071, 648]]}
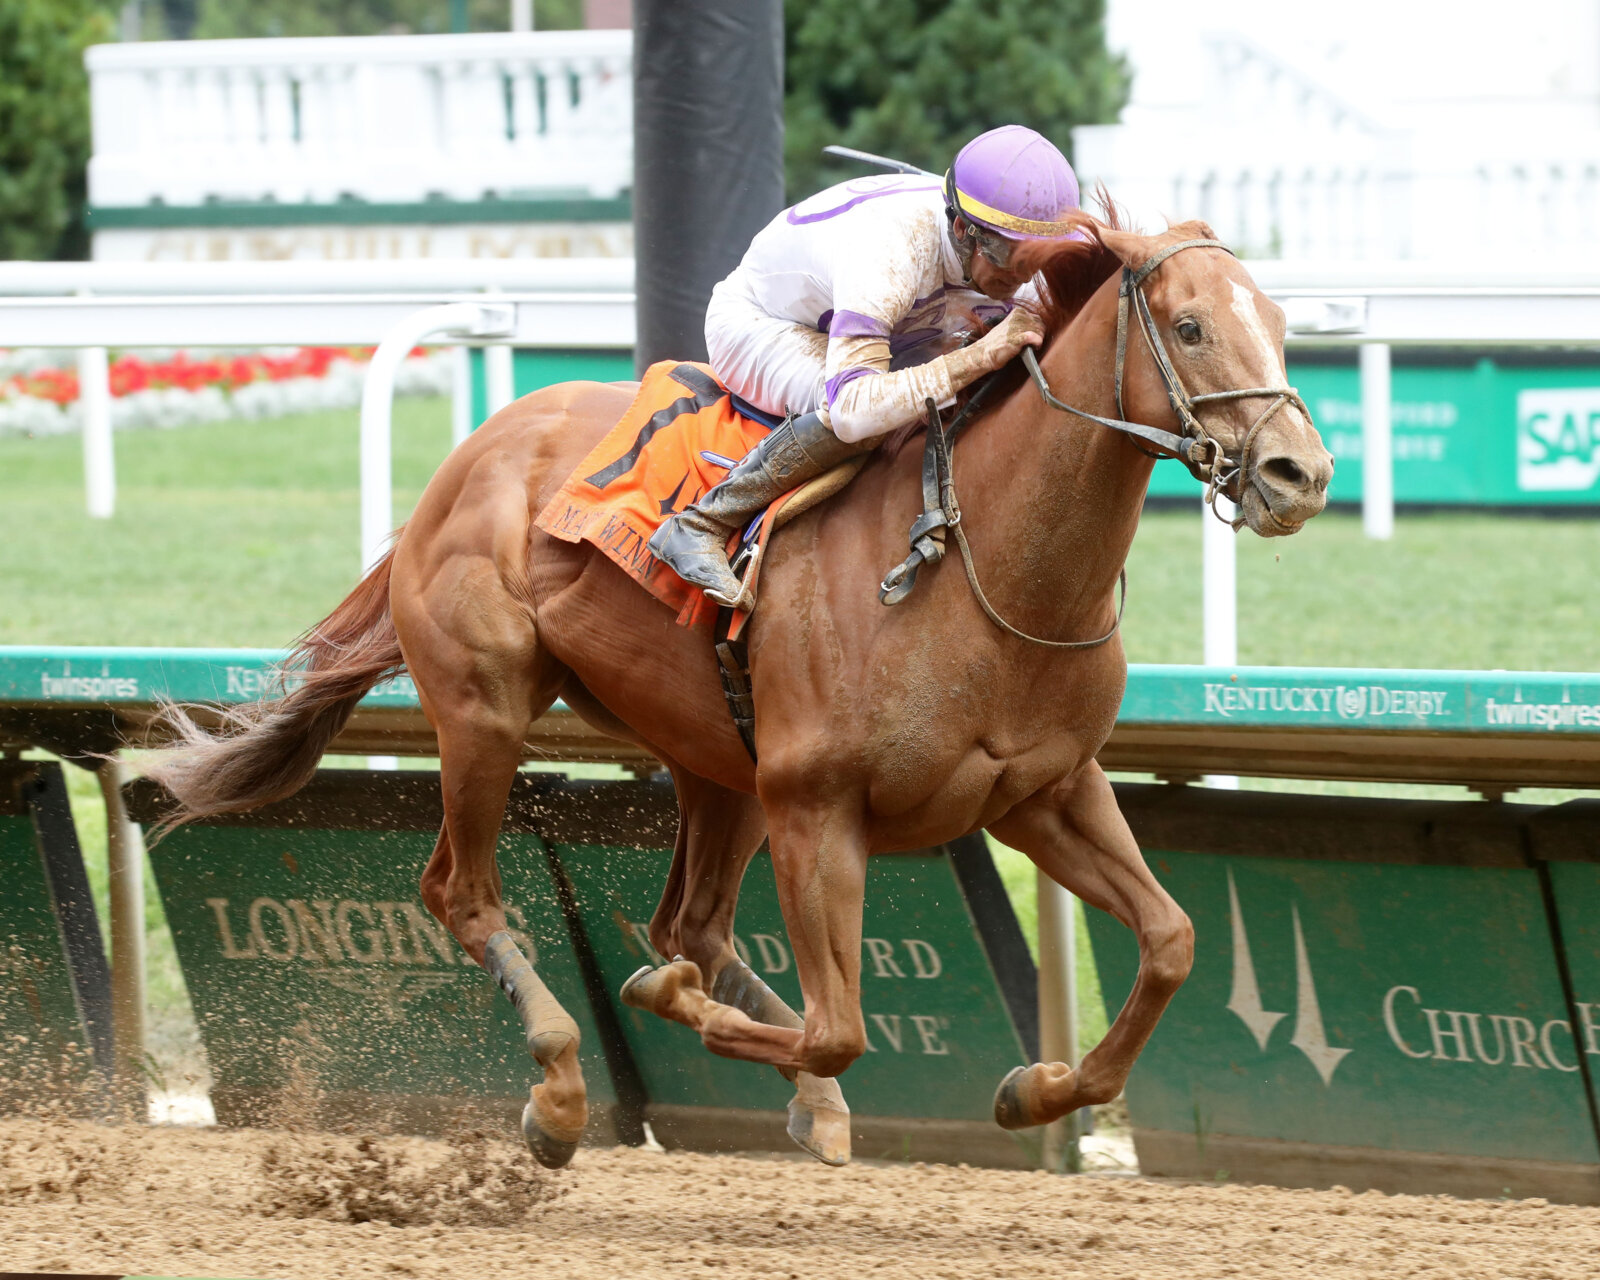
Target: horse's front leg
{"points": [[719, 832], [1075, 833], [819, 861]]}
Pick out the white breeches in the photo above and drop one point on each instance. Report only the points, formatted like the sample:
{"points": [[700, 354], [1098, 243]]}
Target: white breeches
{"points": [[775, 364]]}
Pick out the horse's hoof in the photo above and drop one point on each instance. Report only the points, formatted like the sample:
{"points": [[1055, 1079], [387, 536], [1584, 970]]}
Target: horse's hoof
{"points": [[630, 989], [550, 1144], [1011, 1110], [821, 1131], [656, 989]]}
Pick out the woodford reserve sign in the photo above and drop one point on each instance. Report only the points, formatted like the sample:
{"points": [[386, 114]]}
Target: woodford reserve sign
{"points": [[324, 989]]}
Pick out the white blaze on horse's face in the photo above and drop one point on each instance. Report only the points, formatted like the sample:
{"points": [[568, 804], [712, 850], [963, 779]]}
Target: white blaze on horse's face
{"points": [[1286, 476], [1244, 306]]}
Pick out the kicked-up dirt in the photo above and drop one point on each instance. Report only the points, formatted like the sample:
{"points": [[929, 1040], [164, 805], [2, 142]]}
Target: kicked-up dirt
{"points": [[318, 1206]]}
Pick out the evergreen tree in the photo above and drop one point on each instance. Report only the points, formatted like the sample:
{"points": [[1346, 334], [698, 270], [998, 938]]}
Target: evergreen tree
{"points": [[44, 124], [916, 79]]}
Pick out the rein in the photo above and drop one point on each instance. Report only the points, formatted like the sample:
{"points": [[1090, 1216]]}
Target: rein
{"points": [[1195, 447], [942, 511]]}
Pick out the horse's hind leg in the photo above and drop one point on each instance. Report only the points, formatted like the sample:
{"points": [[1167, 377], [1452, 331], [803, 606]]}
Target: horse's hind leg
{"points": [[1077, 836], [719, 832], [482, 683]]}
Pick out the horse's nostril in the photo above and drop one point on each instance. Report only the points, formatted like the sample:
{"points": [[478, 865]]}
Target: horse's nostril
{"points": [[1286, 472]]}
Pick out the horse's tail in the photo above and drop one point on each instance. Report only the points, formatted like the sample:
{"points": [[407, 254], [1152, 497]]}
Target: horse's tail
{"points": [[267, 750]]}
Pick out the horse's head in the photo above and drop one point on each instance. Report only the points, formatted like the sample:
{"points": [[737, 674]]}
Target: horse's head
{"points": [[1222, 334]]}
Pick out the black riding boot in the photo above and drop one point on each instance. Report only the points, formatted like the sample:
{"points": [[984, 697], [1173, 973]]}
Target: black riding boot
{"points": [[694, 542]]}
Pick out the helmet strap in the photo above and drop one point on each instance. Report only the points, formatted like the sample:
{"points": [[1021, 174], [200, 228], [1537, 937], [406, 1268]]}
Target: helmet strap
{"points": [[965, 245]]}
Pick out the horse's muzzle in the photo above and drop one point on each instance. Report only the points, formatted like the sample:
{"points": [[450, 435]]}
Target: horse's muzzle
{"points": [[1284, 491]]}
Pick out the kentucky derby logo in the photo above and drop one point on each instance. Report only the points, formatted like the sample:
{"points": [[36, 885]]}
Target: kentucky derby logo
{"points": [[1245, 999], [1352, 701]]}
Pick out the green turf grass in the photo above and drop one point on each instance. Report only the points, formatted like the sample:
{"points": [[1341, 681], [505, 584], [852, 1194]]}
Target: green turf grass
{"points": [[239, 533]]}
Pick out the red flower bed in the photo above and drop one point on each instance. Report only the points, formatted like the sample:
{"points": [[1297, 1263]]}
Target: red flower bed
{"points": [[131, 373]]}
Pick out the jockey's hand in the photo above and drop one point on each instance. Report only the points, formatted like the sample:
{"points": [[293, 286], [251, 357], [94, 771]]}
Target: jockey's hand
{"points": [[1021, 328]]}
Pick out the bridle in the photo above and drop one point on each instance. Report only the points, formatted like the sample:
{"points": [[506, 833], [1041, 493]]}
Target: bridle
{"points": [[1195, 447]]}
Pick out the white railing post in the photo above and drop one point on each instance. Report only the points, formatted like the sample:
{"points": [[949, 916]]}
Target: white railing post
{"points": [[456, 319], [461, 422], [498, 377], [99, 453], [1377, 442], [1219, 550]]}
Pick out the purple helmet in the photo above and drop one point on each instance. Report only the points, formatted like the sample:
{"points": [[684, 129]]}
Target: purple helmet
{"points": [[1014, 181]]}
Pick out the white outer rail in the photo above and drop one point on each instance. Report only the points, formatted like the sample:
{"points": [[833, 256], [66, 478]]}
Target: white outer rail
{"points": [[452, 319], [571, 302], [306, 278]]}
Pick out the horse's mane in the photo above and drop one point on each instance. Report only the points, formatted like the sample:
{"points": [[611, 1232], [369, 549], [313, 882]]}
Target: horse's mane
{"points": [[1069, 273]]}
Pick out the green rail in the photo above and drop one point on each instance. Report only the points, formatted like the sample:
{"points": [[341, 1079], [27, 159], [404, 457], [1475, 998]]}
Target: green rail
{"points": [[1502, 702]]}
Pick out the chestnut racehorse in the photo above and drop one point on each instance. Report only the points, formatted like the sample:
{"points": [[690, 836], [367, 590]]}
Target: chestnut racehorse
{"points": [[876, 728]]}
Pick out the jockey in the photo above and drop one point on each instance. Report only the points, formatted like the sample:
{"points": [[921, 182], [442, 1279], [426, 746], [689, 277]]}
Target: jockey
{"points": [[836, 317]]}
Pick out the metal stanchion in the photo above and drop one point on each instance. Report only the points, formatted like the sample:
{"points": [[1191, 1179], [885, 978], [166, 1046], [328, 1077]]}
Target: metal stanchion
{"points": [[461, 422], [125, 849], [1058, 1010]]}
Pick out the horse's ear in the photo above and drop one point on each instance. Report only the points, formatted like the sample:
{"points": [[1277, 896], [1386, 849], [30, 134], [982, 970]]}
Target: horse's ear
{"points": [[1129, 246], [1194, 229]]}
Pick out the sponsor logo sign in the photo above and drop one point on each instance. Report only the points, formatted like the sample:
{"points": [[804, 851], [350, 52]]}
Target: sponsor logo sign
{"points": [[1242, 699], [1364, 1004], [99, 687], [1558, 439]]}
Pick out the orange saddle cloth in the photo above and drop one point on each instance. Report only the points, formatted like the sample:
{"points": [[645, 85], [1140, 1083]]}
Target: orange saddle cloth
{"points": [[679, 437]]}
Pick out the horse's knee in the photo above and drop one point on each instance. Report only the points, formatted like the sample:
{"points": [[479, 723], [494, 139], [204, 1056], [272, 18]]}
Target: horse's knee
{"points": [[1169, 951], [827, 1051]]}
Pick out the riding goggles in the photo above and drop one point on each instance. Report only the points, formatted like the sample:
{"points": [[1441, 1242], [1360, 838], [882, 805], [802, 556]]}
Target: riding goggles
{"points": [[994, 246]]}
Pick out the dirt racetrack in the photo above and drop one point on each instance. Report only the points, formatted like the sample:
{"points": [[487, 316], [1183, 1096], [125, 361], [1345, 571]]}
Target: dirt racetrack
{"points": [[206, 1202]]}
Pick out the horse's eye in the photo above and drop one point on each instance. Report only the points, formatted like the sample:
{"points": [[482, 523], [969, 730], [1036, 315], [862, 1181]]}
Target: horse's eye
{"points": [[1189, 331]]}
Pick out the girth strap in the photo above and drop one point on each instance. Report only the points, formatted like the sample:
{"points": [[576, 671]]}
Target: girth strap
{"points": [[733, 665]]}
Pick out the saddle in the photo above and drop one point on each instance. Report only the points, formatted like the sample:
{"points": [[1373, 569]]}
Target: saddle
{"points": [[663, 454]]}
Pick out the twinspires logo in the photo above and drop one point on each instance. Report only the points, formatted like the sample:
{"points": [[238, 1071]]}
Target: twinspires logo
{"points": [[1558, 439]]}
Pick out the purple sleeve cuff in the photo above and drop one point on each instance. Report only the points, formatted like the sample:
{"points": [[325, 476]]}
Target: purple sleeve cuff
{"points": [[842, 379]]}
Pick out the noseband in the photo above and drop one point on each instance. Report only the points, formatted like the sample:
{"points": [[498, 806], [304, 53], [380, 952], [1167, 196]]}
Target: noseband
{"points": [[1195, 447]]}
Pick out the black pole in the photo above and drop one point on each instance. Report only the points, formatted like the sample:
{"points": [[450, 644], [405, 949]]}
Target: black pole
{"points": [[707, 156]]}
